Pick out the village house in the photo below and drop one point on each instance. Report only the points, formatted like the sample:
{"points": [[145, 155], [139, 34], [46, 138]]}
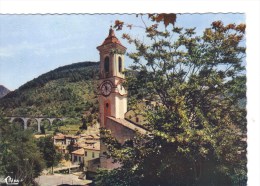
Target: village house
{"points": [[92, 151], [62, 141], [88, 151], [77, 156], [86, 146], [92, 159]]}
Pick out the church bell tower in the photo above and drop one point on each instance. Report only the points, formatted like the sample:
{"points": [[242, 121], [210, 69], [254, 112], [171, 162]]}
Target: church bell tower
{"points": [[111, 94]]}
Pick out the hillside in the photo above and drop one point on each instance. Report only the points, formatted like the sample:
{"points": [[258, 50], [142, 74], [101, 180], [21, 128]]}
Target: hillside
{"points": [[67, 91], [3, 91]]}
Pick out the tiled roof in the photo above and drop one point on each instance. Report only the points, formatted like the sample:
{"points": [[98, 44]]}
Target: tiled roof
{"points": [[128, 125], [86, 143], [95, 146], [92, 136], [111, 38], [79, 152], [90, 141], [59, 136], [71, 136]]}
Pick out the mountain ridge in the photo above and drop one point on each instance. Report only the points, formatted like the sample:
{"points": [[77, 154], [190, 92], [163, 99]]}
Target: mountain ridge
{"points": [[3, 91]]}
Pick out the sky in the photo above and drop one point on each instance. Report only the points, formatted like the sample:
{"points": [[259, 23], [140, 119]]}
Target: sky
{"points": [[31, 45]]}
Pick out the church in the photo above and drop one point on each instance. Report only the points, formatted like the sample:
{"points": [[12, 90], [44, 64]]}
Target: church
{"points": [[112, 96]]}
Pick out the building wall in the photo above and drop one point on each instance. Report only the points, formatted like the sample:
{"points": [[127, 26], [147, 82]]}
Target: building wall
{"points": [[76, 159], [121, 133], [69, 140], [117, 106], [61, 144], [121, 105], [89, 156], [59, 141], [93, 165]]}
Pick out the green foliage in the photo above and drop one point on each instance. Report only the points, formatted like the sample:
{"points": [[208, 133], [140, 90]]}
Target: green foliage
{"points": [[67, 157], [197, 126], [70, 147], [42, 130], [116, 178], [20, 157], [50, 154], [84, 124]]}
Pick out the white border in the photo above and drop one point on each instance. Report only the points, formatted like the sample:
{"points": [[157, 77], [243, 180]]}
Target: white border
{"points": [[126, 6], [250, 7]]}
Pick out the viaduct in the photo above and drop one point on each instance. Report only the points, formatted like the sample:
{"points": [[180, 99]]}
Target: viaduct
{"points": [[38, 119]]}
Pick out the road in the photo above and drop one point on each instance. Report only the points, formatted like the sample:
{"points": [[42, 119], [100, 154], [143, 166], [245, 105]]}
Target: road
{"points": [[58, 179]]}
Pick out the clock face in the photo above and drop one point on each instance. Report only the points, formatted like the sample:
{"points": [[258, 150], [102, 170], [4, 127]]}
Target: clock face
{"points": [[121, 89], [106, 89]]}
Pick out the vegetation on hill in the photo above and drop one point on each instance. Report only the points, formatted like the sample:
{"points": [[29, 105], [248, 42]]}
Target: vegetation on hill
{"points": [[67, 91]]}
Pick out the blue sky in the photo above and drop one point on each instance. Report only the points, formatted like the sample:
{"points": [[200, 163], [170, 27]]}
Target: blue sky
{"points": [[31, 45]]}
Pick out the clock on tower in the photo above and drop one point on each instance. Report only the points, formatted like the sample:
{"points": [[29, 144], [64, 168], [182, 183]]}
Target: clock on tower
{"points": [[111, 94]]}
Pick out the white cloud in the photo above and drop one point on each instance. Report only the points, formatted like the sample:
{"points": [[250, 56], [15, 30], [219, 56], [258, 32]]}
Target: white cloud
{"points": [[5, 53]]}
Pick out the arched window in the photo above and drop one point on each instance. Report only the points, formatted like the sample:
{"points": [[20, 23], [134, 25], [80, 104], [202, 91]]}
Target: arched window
{"points": [[106, 65], [119, 64]]}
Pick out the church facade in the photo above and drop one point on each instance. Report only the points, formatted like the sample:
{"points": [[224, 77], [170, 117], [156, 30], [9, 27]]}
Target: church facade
{"points": [[112, 96]]}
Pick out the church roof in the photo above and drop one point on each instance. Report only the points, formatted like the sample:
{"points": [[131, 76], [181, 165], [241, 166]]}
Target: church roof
{"points": [[128, 125], [111, 38]]}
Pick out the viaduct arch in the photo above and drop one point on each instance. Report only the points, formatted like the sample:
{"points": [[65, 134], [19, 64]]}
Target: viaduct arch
{"points": [[38, 120]]}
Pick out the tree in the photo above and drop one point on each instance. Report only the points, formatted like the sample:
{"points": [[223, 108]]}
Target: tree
{"points": [[197, 129], [67, 157], [42, 128], [71, 148], [84, 124], [20, 157], [49, 151]]}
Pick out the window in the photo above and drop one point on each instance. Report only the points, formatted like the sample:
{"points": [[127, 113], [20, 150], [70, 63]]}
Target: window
{"points": [[106, 64], [93, 155], [86, 153], [119, 64], [75, 158], [137, 119], [80, 159]]}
